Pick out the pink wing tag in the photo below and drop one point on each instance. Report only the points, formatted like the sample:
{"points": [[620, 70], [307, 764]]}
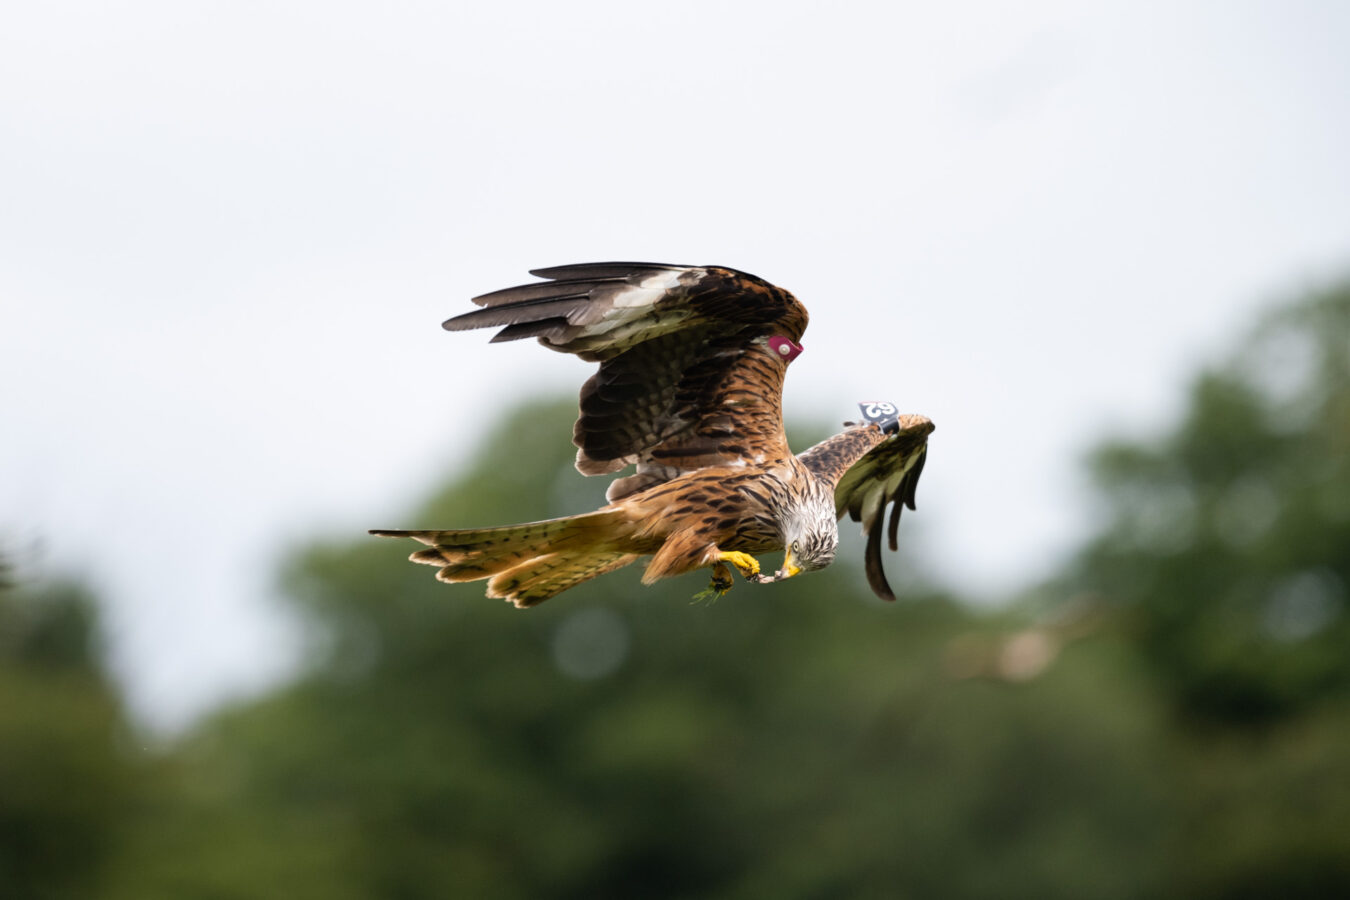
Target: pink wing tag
{"points": [[785, 347]]}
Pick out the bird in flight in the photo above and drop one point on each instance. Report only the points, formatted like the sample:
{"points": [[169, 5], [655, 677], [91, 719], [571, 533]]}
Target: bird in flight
{"points": [[689, 391]]}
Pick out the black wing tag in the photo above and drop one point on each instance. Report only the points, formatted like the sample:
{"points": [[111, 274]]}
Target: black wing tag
{"points": [[886, 416]]}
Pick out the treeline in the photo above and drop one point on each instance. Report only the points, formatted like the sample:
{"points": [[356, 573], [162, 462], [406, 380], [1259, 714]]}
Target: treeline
{"points": [[1167, 717]]}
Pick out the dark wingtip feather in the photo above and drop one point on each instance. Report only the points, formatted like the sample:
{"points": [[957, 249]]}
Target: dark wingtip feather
{"points": [[912, 479], [602, 270], [521, 330], [876, 575], [541, 291], [515, 313]]}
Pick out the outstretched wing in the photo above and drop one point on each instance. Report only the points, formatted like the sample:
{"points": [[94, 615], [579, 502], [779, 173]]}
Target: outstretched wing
{"points": [[888, 473], [692, 360]]}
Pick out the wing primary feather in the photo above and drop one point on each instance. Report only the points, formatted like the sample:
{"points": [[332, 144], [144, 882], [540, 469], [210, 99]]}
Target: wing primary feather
{"points": [[912, 482], [543, 290], [603, 270], [873, 506], [514, 313], [521, 330], [876, 576], [893, 529]]}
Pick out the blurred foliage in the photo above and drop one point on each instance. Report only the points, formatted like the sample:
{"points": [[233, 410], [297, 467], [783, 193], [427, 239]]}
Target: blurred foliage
{"points": [[65, 771], [1166, 718], [1225, 559], [1229, 539], [794, 740]]}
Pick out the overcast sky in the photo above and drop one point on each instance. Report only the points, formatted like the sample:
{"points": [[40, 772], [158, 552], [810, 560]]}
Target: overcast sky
{"points": [[229, 232]]}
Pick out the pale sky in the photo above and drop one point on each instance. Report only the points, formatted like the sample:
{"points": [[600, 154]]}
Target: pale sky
{"points": [[229, 232]]}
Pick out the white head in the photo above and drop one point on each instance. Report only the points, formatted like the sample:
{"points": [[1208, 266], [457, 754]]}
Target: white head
{"points": [[811, 536]]}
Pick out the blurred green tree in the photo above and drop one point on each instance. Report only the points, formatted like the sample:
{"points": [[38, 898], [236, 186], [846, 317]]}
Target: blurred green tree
{"points": [[66, 774], [797, 740], [1226, 556], [1188, 736], [1228, 540]]}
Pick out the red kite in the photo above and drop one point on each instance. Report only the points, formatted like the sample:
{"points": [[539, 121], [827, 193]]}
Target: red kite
{"points": [[689, 391]]}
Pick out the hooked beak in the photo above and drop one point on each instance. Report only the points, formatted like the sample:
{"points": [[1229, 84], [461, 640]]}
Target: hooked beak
{"points": [[790, 567]]}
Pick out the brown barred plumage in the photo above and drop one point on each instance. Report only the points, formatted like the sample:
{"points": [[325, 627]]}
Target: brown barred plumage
{"points": [[689, 390]]}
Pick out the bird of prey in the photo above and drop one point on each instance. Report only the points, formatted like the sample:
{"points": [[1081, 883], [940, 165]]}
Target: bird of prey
{"points": [[689, 392]]}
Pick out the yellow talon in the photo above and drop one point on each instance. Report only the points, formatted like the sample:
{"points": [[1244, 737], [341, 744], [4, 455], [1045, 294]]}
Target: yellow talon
{"points": [[746, 563]]}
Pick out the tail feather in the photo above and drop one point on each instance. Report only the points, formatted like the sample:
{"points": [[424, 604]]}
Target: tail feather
{"points": [[531, 562], [538, 579], [479, 539]]}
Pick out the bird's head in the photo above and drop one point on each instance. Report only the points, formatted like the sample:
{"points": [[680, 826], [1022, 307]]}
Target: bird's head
{"points": [[811, 538], [813, 552]]}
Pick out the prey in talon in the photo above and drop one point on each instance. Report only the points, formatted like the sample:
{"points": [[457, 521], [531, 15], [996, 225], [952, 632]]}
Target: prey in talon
{"points": [[685, 410], [720, 584]]}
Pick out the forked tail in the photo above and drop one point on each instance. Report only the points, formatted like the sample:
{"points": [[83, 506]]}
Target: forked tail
{"points": [[527, 563]]}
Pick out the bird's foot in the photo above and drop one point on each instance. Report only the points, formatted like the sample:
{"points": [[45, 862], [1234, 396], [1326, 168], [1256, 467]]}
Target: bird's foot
{"points": [[747, 564]]}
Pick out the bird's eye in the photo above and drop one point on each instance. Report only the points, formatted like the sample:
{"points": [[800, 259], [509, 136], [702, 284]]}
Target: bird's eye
{"points": [[796, 547]]}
